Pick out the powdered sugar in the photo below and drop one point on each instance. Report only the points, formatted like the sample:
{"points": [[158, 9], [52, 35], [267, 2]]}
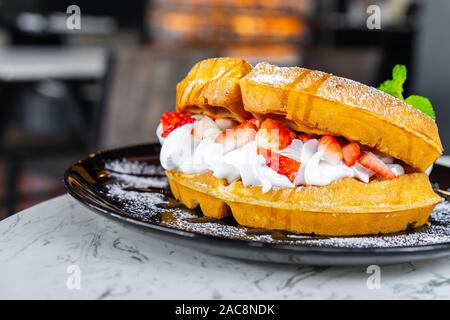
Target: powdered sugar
{"points": [[136, 174], [133, 167], [137, 205], [139, 182]]}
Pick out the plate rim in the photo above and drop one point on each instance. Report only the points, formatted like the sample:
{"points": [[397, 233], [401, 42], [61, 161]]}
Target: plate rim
{"points": [[183, 234]]}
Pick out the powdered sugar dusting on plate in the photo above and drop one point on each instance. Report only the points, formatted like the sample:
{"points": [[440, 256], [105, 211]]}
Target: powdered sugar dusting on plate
{"points": [[136, 174], [133, 167], [139, 182], [138, 205]]}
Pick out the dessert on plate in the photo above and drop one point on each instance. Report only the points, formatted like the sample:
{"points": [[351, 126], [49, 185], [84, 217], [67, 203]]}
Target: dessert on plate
{"points": [[300, 150]]}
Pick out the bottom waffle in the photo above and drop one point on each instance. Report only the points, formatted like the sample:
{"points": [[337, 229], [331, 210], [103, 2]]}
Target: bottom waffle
{"points": [[347, 207]]}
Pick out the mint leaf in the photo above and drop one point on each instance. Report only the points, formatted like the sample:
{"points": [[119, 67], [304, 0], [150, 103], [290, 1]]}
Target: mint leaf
{"points": [[394, 86], [423, 104]]}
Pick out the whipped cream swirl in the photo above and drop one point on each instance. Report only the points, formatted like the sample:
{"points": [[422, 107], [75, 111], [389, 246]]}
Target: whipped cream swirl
{"points": [[183, 152]]}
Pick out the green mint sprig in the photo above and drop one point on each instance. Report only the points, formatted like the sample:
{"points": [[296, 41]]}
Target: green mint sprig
{"points": [[394, 87]]}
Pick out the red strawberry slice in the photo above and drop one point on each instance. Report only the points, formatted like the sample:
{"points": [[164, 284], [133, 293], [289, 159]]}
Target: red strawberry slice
{"points": [[224, 123], [205, 127], [254, 121], [172, 120], [372, 162], [281, 164], [331, 148], [305, 137], [273, 135], [239, 135], [351, 153]]}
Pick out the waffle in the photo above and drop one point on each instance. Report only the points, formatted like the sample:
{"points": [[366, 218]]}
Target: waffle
{"points": [[212, 88], [346, 207], [318, 103]]}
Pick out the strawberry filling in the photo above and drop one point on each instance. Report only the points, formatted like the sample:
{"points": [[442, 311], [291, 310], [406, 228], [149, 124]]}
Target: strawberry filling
{"points": [[283, 165], [239, 135], [273, 138], [332, 151], [172, 120]]}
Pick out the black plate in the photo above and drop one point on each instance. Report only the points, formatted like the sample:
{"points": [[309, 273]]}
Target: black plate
{"points": [[128, 184]]}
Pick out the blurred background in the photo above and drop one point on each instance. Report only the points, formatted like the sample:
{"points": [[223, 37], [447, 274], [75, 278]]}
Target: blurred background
{"points": [[65, 93]]}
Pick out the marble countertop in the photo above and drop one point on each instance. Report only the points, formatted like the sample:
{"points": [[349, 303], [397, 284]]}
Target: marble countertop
{"points": [[61, 250]]}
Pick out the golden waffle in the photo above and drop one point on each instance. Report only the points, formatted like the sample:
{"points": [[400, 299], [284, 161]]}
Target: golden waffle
{"points": [[212, 88], [343, 208], [317, 102]]}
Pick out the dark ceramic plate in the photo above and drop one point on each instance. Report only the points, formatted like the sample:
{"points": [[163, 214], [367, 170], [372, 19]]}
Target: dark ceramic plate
{"points": [[129, 185]]}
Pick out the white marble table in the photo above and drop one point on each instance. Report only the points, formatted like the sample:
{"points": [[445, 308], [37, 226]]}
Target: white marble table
{"points": [[47, 250]]}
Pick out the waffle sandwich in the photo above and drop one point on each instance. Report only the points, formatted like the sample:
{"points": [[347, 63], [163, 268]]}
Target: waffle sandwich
{"points": [[298, 150]]}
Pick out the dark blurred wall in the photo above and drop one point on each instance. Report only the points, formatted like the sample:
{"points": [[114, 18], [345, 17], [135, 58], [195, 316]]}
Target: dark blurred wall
{"points": [[432, 78]]}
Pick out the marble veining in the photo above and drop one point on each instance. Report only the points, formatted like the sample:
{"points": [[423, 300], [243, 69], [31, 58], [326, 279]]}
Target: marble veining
{"points": [[119, 261]]}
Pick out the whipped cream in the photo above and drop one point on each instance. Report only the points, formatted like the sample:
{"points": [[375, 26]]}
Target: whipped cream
{"points": [[253, 170], [183, 152]]}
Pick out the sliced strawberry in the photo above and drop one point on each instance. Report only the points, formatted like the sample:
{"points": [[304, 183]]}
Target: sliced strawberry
{"points": [[305, 137], [254, 121], [372, 162], [281, 164], [205, 127], [239, 135], [226, 123], [172, 120], [331, 148], [273, 135], [351, 153]]}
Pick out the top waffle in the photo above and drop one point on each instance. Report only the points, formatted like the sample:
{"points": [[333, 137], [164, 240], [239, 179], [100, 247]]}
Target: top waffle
{"points": [[313, 102]]}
